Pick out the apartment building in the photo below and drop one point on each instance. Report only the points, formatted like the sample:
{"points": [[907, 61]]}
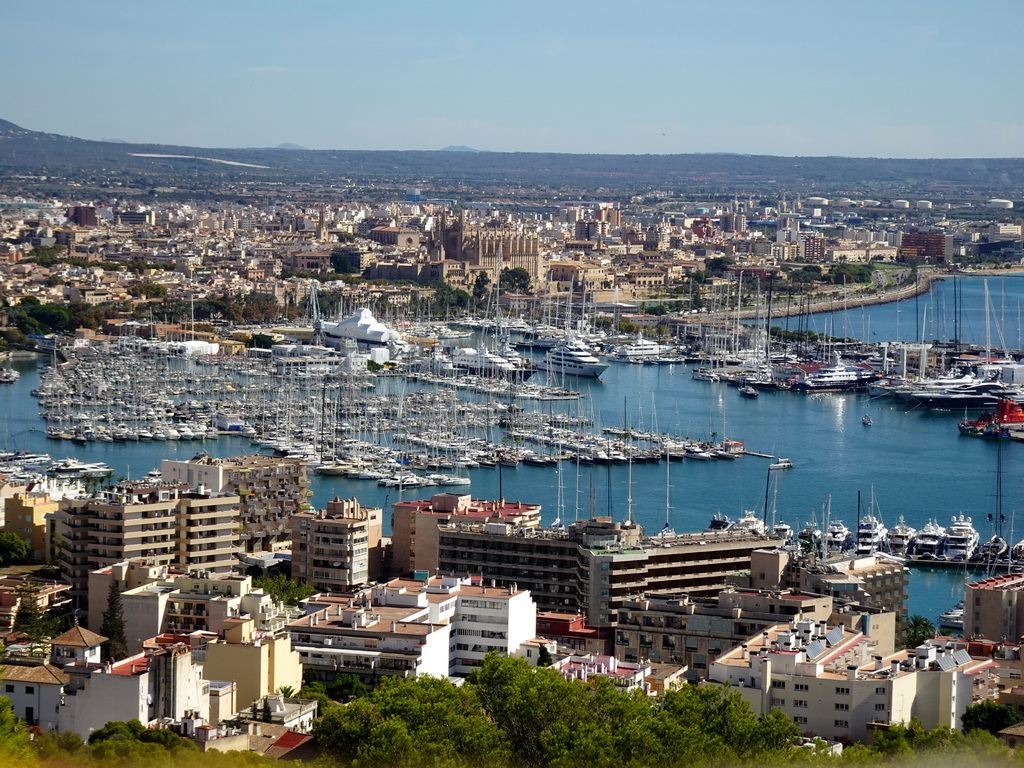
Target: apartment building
{"points": [[270, 491], [165, 524], [593, 566], [868, 581], [994, 608], [338, 548], [25, 515], [833, 682], [73, 691], [414, 525], [693, 631], [182, 604], [440, 626]]}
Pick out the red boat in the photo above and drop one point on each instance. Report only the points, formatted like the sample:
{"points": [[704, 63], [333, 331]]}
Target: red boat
{"points": [[995, 426]]}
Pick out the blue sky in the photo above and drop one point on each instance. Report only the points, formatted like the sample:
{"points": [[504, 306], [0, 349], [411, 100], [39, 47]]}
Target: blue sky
{"points": [[868, 78]]}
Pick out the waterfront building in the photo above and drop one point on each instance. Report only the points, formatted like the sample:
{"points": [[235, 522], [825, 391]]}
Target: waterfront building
{"points": [[166, 524], [834, 683], [694, 632], [869, 581], [591, 566], [338, 548], [270, 491], [414, 525], [994, 608]]}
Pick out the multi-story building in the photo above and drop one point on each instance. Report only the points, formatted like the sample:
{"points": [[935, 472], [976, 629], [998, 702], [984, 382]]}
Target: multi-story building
{"points": [[337, 548], [994, 608], [694, 631], [74, 691], [592, 566], [439, 626], [181, 604], [833, 682], [25, 516], [170, 525], [414, 525], [868, 581], [270, 489], [924, 246]]}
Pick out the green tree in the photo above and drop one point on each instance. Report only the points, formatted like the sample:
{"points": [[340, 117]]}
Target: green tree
{"points": [[149, 290], [480, 284], [413, 722], [283, 589], [515, 280], [989, 716], [14, 738], [12, 548], [919, 629], [267, 715], [112, 627], [31, 619], [346, 687]]}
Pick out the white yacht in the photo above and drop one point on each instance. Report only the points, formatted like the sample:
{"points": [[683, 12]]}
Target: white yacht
{"points": [[900, 537], [572, 358], [872, 535], [783, 530], [480, 362], [751, 523], [961, 539], [837, 536], [640, 350], [839, 377], [929, 542]]}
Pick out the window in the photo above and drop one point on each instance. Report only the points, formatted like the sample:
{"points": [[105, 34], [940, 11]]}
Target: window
{"points": [[879, 707], [880, 691], [799, 702], [778, 702], [778, 683], [800, 686], [842, 691], [841, 723], [8, 688], [842, 705], [799, 720]]}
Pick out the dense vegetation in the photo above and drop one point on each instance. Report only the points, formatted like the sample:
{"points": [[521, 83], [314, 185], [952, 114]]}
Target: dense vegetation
{"points": [[511, 715]]}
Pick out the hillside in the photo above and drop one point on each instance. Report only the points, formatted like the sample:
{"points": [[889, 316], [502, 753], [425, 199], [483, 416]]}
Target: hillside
{"points": [[27, 152]]}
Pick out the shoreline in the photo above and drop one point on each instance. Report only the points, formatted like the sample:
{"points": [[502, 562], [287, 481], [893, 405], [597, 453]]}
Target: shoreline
{"points": [[923, 285]]}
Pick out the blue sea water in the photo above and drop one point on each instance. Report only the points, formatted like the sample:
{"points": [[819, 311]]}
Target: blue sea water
{"points": [[910, 462]]}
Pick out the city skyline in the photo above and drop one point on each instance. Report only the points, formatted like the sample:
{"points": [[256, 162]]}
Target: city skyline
{"points": [[792, 79]]}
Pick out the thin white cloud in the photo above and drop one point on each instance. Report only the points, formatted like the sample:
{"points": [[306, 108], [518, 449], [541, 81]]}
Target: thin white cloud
{"points": [[270, 69]]}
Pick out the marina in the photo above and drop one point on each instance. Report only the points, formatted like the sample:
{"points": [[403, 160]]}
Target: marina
{"points": [[913, 458]]}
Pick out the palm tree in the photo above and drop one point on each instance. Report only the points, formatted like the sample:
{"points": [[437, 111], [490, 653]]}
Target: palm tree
{"points": [[919, 629], [287, 691]]}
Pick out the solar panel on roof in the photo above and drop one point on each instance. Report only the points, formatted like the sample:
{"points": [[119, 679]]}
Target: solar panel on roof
{"points": [[962, 657], [815, 649], [946, 663], [834, 636]]}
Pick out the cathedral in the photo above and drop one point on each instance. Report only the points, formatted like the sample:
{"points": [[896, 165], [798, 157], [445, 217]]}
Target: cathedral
{"points": [[487, 248]]}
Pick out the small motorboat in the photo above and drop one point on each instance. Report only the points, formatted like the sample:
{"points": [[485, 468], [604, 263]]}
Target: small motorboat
{"points": [[781, 463], [748, 391], [866, 421]]}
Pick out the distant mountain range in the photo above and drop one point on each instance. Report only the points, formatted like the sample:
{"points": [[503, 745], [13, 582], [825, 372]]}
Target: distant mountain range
{"points": [[25, 152]]}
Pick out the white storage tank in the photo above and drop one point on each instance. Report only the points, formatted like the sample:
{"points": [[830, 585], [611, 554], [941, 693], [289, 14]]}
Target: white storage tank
{"points": [[813, 201], [999, 203], [924, 205], [900, 203]]}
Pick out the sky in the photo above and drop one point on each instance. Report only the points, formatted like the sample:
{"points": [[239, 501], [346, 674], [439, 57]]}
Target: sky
{"points": [[864, 78]]}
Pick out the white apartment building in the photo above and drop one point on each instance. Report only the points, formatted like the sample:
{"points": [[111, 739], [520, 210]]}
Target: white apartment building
{"points": [[75, 691], [183, 604], [439, 626], [832, 683]]}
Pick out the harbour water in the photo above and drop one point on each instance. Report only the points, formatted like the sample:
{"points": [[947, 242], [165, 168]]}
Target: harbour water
{"points": [[910, 463]]}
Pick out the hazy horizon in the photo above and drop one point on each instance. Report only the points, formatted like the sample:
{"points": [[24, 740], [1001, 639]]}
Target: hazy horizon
{"points": [[914, 80]]}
